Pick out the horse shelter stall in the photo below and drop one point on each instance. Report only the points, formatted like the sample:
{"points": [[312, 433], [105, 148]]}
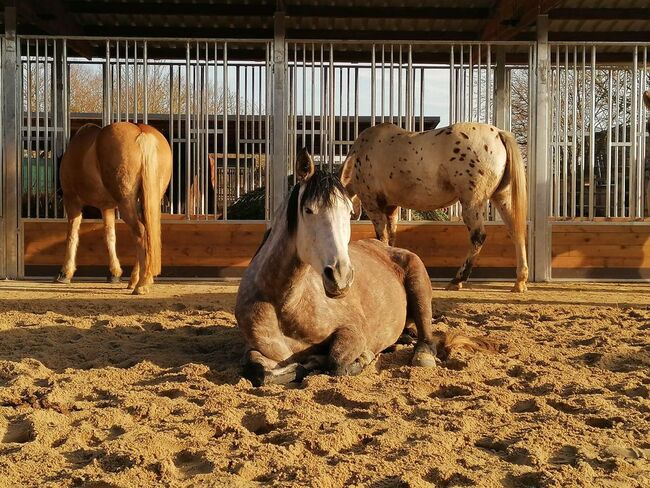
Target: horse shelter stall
{"points": [[238, 103]]}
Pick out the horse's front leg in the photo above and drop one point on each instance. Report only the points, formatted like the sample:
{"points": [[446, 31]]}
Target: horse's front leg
{"points": [[349, 353], [260, 370], [73, 210], [473, 218]]}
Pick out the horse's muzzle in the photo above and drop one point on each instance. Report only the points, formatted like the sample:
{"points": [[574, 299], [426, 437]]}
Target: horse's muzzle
{"points": [[337, 288]]}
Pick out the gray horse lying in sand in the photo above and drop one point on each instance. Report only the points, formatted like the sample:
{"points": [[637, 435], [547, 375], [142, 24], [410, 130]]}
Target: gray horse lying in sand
{"points": [[310, 300]]}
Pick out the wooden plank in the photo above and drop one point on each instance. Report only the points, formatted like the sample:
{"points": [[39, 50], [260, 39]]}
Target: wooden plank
{"points": [[233, 244], [601, 246]]}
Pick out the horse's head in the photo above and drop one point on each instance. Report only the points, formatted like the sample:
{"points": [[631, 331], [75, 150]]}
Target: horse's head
{"points": [[319, 214]]}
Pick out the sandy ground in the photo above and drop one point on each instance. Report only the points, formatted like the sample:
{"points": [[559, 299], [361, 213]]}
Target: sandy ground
{"points": [[102, 389]]}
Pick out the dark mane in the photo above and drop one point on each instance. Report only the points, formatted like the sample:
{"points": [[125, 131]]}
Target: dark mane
{"points": [[321, 189]]}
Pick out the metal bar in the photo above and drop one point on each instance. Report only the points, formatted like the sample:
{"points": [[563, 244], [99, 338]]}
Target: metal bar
{"points": [[135, 82], [279, 172], [267, 104], [635, 194], [246, 144], [29, 131], [452, 86], [36, 189], [478, 85], [383, 83], [592, 136], [259, 124], [399, 89], [332, 119], [304, 95], [356, 103], [422, 100], [225, 131], [188, 134], [574, 140], [237, 126], [106, 94], [565, 153], [46, 129], [624, 181], [390, 85], [557, 130], [145, 89], [617, 138], [126, 80], [608, 182], [171, 136], [313, 97], [488, 86], [55, 123], [541, 242], [10, 267], [582, 132], [119, 82], [373, 87]]}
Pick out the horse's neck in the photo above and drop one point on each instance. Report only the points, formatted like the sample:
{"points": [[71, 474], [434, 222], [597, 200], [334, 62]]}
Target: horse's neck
{"points": [[280, 273]]}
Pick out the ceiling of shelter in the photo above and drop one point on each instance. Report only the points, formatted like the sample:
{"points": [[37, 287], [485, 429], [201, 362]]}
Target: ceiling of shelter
{"points": [[490, 20]]}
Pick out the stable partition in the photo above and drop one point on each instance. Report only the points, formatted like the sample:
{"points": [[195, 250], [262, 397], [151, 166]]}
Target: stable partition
{"points": [[204, 249], [237, 111]]}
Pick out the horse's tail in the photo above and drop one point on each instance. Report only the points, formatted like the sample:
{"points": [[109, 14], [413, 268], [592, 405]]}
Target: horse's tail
{"points": [[346, 174], [518, 189], [454, 341], [150, 200]]}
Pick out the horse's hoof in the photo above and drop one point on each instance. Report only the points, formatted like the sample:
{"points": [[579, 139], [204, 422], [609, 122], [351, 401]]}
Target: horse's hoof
{"points": [[424, 355], [140, 290], [454, 286], [520, 287], [113, 279], [130, 286], [61, 278], [356, 366]]}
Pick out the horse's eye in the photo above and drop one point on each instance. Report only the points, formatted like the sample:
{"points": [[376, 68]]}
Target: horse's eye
{"points": [[309, 211]]}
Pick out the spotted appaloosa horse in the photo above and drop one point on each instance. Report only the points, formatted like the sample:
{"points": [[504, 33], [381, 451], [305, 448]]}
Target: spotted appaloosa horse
{"points": [[388, 168], [122, 165], [309, 299]]}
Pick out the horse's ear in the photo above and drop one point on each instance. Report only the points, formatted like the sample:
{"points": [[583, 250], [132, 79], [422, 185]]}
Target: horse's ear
{"points": [[304, 165]]}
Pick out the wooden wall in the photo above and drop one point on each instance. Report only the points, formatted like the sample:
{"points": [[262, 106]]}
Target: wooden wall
{"points": [[218, 249], [601, 251]]}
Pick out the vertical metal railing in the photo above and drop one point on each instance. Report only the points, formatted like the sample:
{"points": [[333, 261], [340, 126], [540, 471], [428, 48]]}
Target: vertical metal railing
{"points": [[386, 82], [211, 102], [597, 141]]}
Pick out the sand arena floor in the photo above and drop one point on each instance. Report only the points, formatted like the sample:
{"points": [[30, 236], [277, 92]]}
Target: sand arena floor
{"points": [[102, 389]]}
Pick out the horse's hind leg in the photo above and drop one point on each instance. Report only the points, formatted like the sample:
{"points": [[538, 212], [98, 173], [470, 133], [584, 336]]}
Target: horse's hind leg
{"points": [[502, 202], [380, 222], [109, 235], [392, 215], [473, 218], [73, 211], [139, 280]]}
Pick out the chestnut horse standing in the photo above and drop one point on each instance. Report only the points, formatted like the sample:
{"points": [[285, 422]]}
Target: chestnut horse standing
{"points": [[122, 165]]}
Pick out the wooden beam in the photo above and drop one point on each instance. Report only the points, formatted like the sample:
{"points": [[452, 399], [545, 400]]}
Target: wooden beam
{"points": [[599, 14], [510, 17], [53, 18]]}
